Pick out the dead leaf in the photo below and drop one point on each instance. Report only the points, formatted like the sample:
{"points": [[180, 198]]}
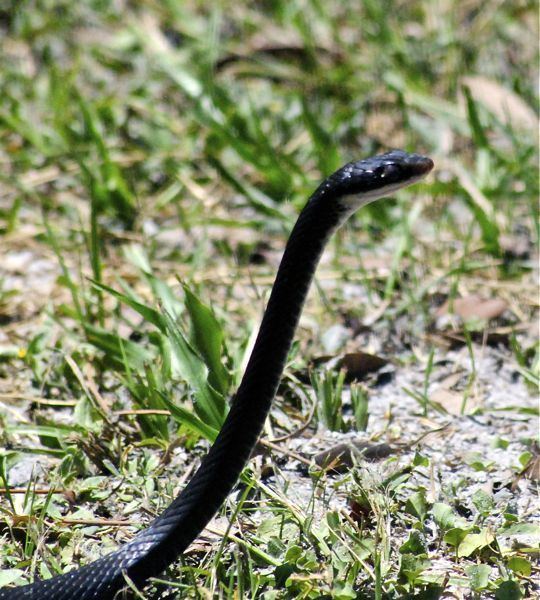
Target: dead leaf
{"points": [[486, 337], [532, 470], [453, 379], [359, 364], [376, 262], [356, 365], [343, 457], [453, 402], [504, 104], [361, 511], [474, 307], [449, 400]]}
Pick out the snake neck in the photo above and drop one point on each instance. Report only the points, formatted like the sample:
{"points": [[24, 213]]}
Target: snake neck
{"points": [[189, 513], [295, 274]]}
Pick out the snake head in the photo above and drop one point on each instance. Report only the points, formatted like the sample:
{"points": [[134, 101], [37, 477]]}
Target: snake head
{"points": [[363, 181]]}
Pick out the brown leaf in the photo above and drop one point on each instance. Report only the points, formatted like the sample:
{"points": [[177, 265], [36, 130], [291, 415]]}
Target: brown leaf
{"points": [[359, 364], [343, 457], [503, 103], [487, 337], [449, 400], [532, 470], [452, 402], [376, 262], [361, 511], [453, 379], [474, 307]]}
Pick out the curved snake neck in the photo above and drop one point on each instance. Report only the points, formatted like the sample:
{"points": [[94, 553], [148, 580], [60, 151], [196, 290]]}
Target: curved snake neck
{"points": [[149, 552]]}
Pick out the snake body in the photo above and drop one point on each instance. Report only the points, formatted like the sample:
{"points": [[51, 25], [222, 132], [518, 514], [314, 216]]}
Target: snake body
{"points": [[154, 548]]}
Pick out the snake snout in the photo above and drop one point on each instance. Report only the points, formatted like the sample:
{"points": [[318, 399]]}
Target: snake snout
{"points": [[422, 165]]}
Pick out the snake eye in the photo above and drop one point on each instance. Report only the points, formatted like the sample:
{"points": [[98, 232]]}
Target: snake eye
{"points": [[387, 171], [390, 170]]}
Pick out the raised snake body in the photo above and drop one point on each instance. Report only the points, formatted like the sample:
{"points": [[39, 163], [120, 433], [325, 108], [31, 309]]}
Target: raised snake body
{"points": [[154, 548]]}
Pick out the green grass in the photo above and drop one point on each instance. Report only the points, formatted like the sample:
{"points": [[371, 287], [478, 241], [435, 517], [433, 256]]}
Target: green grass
{"points": [[153, 158]]}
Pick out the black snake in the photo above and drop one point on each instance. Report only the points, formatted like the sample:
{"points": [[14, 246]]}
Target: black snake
{"points": [[149, 552]]}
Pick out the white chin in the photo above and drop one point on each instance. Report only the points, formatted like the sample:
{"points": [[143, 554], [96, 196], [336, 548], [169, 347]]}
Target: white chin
{"points": [[355, 201]]}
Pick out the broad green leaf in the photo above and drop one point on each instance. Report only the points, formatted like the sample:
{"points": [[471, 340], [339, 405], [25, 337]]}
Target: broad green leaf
{"points": [[207, 337], [479, 576], [8, 576], [508, 590], [483, 502], [414, 545], [186, 418], [413, 565], [209, 404], [117, 348], [164, 295], [149, 314], [520, 565], [475, 541], [444, 515], [417, 505], [455, 536]]}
